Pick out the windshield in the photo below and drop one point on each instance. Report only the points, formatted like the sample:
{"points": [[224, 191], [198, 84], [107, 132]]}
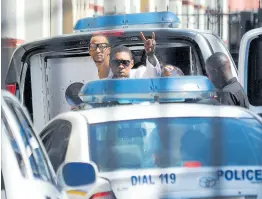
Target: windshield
{"points": [[173, 142]]}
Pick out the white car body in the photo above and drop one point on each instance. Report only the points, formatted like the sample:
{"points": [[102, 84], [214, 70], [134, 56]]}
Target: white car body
{"points": [[244, 68], [119, 181], [17, 178]]}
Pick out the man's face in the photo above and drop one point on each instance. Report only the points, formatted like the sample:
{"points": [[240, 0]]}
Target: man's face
{"points": [[99, 49], [121, 65]]}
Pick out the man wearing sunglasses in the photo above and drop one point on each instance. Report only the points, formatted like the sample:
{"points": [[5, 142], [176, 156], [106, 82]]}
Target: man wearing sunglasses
{"points": [[99, 50], [121, 61]]}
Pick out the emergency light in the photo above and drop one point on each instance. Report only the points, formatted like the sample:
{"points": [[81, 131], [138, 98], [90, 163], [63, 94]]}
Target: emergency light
{"points": [[162, 89], [125, 21]]}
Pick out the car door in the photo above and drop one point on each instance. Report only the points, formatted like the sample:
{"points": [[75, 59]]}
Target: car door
{"points": [[250, 68], [55, 138], [41, 173]]}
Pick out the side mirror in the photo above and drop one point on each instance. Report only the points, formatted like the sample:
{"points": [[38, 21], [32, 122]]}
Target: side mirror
{"points": [[76, 174]]}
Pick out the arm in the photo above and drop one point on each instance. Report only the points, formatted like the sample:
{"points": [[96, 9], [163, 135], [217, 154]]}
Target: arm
{"points": [[153, 68]]}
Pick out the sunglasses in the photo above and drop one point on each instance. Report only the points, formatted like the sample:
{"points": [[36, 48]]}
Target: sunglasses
{"points": [[125, 63], [101, 46]]}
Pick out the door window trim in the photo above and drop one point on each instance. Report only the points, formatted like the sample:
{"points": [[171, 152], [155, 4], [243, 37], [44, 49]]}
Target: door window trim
{"points": [[50, 176], [10, 134]]}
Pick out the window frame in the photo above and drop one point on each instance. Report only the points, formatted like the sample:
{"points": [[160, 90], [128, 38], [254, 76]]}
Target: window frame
{"points": [[14, 107], [10, 134]]}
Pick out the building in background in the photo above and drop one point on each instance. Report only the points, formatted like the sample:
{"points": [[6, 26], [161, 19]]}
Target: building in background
{"points": [[45, 18], [241, 5], [28, 20], [199, 14]]}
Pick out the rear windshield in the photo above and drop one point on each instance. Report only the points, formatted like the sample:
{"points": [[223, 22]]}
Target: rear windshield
{"points": [[172, 142]]}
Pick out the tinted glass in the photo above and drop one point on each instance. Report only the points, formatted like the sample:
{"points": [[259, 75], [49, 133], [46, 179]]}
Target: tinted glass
{"points": [[2, 182], [35, 154], [172, 142], [16, 149], [55, 139], [254, 79]]}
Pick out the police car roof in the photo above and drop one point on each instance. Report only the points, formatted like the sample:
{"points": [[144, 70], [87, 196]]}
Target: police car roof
{"points": [[140, 111], [146, 89]]}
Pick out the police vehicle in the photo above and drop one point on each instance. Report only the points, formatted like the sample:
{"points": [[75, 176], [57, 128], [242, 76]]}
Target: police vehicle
{"points": [[40, 72], [140, 140], [250, 68], [26, 171]]}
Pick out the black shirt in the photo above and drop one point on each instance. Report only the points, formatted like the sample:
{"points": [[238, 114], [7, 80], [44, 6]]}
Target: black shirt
{"points": [[233, 94]]}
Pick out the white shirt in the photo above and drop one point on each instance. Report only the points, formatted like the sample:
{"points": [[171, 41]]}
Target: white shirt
{"points": [[148, 71]]}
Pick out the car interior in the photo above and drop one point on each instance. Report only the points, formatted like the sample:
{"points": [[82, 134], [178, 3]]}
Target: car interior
{"points": [[181, 57]]}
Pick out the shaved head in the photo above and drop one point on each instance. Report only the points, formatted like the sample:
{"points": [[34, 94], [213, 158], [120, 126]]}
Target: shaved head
{"points": [[218, 69], [219, 61], [100, 36]]}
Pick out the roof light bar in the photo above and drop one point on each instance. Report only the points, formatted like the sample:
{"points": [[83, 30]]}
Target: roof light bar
{"points": [[171, 89], [124, 21]]}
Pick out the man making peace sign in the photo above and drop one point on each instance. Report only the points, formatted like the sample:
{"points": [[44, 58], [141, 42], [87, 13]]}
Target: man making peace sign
{"points": [[121, 61]]}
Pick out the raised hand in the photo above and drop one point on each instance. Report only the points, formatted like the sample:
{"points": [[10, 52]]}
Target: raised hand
{"points": [[149, 44]]}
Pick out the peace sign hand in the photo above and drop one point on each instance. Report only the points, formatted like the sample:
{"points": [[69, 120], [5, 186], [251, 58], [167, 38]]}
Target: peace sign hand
{"points": [[149, 44]]}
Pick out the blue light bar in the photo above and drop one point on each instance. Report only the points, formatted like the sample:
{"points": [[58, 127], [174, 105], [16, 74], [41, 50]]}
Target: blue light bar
{"points": [[137, 20], [169, 89]]}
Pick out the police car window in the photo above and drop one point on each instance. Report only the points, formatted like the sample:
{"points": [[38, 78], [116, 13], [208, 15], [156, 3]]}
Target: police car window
{"points": [[3, 192], [16, 149], [35, 154], [2, 181], [55, 139], [174, 142], [181, 55], [254, 79]]}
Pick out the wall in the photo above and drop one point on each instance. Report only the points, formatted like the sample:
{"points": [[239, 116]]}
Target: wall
{"points": [[42, 19], [117, 6], [240, 5], [67, 17], [8, 18], [144, 6]]}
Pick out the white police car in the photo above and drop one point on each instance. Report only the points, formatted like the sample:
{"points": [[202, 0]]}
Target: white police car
{"points": [[26, 171], [163, 149]]}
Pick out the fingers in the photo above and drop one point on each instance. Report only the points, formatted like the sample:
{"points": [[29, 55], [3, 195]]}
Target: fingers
{"points": [[148, 42], [153, 35], [142, 36]]}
